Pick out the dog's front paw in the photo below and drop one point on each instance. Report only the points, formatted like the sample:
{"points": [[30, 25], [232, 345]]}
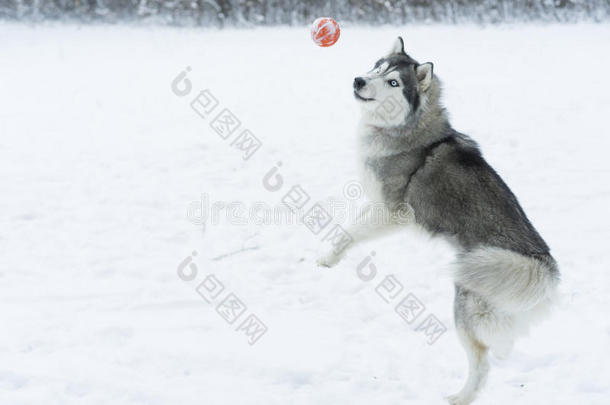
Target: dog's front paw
{"points": [[458, 399], [329, 260]]}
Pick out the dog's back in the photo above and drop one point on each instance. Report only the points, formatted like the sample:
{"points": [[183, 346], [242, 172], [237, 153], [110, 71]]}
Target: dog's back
{"points": [[455, 193]]}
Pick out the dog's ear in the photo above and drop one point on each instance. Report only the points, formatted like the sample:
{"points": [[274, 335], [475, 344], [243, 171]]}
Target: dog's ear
{"points": [[424, 74], [398, 46]]}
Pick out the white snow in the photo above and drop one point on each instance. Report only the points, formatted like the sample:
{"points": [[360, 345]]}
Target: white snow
{"points": [[100, 161]]}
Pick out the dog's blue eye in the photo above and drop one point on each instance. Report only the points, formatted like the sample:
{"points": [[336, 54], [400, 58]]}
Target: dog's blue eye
{"points": [[393, 83]]}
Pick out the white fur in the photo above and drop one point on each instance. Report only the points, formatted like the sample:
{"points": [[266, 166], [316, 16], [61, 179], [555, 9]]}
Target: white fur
{"points": [[507, 292], [386, 108], [508, 280], [424, 75], [374, 221], [366, 149], [385, 105], [397, 46], [478, 368]]}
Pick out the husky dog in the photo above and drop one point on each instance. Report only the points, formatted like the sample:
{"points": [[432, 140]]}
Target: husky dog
{"points": [[411, 158]]}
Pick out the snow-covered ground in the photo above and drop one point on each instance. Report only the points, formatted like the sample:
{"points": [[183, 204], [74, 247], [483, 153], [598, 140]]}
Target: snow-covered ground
{"points": [[100, 161]]}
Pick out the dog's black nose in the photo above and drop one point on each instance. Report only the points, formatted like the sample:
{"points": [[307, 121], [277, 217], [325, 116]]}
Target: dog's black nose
{"points": [[359, 83]]}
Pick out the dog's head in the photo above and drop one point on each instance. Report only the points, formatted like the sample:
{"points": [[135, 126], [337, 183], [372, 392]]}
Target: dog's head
{"points": [[392, 93]]}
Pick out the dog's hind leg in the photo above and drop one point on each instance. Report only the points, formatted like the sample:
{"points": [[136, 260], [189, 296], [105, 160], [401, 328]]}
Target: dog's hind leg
{"points": [[478, 368], [467, 309]]}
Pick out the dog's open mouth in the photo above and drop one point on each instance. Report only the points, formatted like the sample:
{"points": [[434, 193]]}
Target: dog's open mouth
{"points": [[359, 97]]}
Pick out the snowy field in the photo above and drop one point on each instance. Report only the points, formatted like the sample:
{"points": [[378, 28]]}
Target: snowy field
{"points": [[100, 162]]}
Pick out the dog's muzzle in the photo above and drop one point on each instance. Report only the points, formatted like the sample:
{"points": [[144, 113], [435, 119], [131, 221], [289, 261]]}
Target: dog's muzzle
{"points": [[359, 83]]}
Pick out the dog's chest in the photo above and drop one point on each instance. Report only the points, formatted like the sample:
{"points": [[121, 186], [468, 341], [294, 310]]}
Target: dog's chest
{"points": [[384, 172], [371, 183]]}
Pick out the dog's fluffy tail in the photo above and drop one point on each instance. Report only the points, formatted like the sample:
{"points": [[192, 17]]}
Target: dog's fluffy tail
{"points": [[509, 281]]}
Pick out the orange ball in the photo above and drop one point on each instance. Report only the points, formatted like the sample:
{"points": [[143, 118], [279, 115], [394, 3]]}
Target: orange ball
{"points": [[325, 31]]}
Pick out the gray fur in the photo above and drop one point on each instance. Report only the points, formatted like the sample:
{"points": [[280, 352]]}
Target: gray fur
{"points": [[505, 274], [443, 176]]}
